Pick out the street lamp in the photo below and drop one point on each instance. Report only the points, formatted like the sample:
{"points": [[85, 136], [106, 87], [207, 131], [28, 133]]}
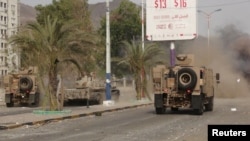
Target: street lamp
{"points": [[208, 16], [108, 68], [108, 56]]}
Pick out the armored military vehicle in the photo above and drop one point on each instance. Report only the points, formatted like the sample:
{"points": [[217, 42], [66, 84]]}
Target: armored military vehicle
{"points": [[90, 88], [184, 86], [21, 87]]}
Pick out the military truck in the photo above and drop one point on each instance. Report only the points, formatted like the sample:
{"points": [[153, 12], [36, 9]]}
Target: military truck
{"points": [[90, 88], [184, 86], [21, 87]]}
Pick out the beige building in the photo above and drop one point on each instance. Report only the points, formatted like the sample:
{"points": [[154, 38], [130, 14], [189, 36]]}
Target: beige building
{"points": [[9, 22]]}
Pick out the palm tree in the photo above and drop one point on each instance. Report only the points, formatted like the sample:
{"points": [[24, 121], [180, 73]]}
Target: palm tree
{"points": [[139, 60], [48, 45]]}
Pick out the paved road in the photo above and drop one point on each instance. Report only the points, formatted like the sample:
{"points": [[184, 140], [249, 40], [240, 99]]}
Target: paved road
{"points": [[137, 124]]}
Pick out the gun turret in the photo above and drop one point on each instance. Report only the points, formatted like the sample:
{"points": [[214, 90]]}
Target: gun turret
{"points": [[185, 60]]}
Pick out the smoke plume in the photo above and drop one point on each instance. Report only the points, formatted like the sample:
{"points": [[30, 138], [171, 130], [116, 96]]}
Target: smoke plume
{"points": [[227, 54]]}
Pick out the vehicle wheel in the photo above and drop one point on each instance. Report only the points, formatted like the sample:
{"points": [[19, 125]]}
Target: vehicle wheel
{"points": [[186, 79], [174, 109], [160, 111], [200, 110], [210, 105], [37, 99], [11, 104], [26, 83]]}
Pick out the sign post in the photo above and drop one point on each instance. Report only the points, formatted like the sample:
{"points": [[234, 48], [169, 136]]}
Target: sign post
{"points": [[169, 20]]}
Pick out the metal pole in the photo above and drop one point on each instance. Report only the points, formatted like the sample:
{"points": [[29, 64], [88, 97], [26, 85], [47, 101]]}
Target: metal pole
{"points": [[208, 16], [108, 68], [142, 38], [172, 54], [142, 22], [208, 34]]}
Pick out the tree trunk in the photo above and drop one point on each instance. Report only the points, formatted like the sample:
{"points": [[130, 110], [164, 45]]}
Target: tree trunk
{"points": [[138, 87], [53, 84], [142, 83]]}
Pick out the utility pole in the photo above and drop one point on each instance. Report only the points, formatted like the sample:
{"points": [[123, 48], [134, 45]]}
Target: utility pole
{"points": [[108, 67]]}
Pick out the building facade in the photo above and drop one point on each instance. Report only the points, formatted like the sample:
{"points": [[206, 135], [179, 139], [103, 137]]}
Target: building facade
{"points": [[9, 23]]}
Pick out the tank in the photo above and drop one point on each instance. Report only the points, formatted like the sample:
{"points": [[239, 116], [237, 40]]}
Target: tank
{"points": [[92, 89]]}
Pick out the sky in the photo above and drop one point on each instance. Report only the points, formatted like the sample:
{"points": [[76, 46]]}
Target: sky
{"points": [[233, 12], [44, 2]]}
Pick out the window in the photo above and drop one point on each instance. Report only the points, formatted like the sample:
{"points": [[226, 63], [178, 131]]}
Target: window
{"points": [[13, 6], [13, 12], [5, 18]]}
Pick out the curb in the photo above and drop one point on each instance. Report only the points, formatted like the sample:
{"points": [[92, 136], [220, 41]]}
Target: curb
{"points": [[96, 113]]}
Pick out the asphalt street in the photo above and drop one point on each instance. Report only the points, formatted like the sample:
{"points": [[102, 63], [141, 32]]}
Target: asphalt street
{"points": [[137, 124]]}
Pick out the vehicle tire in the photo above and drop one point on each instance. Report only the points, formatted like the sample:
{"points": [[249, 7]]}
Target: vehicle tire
{"points": [[210, 105], [11, 104], [26, 83], [200, 110], [160, 110], [187, 79], [174, 109], [37, 100]]}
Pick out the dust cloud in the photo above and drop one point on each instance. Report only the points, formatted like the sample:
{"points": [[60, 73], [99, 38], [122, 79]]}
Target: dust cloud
{"points": [[227, 54]]}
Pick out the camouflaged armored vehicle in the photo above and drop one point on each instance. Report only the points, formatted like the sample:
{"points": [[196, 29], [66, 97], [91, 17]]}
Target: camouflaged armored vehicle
{"points": [[184, 86], [90, 88], [21, 87]]}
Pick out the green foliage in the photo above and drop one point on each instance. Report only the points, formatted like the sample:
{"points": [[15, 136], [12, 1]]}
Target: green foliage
{"points": [[62, 36], [76, 12], [125, 24], [138, 60], [43, 42], [56, 9], [66, 11]]}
